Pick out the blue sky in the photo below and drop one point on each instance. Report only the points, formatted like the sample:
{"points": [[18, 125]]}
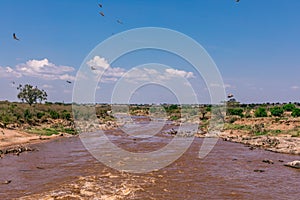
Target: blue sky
{"points": [[254, 43]]}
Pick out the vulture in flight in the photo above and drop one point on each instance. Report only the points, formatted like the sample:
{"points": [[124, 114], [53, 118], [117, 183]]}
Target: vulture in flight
{"points": [[102, 14], [230, 95], [15, 37], [69, 82]]}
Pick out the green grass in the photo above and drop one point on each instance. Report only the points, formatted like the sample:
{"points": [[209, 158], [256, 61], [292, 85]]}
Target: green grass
{"points": [[261, 133], [51, 131], [43, 131]]}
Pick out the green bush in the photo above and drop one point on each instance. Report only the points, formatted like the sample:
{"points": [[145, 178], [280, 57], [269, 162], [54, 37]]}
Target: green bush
{"points": [[66, 115], [54, 114], [289, 107], [39, 115], [236, 111], [6, 118], [296, 112], [27, 115], [261, 112], [277, 111], [174, 117]]}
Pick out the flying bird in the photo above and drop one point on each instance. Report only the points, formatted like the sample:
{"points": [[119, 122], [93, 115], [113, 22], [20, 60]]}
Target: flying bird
{"points": [[119, 21], [237, 1], [69, 82], [100, 5], [93, 68], [15, 37], [102, 14], [229, 95]]}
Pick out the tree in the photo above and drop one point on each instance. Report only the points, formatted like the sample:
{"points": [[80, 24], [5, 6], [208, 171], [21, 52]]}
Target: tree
{"points": [[277, 111], [261, 112], [203, 110], [31, 94]]}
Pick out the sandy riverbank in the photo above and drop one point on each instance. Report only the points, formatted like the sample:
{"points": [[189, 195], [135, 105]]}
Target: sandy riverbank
{"points": [[18, 141]]}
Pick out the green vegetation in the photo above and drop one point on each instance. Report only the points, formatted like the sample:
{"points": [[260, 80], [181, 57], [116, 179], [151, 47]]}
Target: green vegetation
{"points": [[19, 115], [53, 118], [261, 112], [258, 129], [43, 131], [277, 111], [260, 133], [296, 112], [235, 111], [289, 107]]}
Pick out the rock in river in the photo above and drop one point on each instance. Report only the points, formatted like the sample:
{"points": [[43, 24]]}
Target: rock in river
{"points": [[294, 164]]}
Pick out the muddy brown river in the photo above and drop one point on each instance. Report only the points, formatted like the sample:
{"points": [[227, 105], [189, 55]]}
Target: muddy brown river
{"points": [[228, 172]]}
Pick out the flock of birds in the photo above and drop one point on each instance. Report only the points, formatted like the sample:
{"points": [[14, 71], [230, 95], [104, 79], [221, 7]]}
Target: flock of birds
{"points": [[102, 14]]}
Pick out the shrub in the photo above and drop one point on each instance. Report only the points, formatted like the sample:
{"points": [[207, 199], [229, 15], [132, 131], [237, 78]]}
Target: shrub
{"points": [[27, 115], [66, 115], [258, 129], [54, 114], [173, 107], [277, 111], [296, 112], [261, 112], [174, 117], [6, 118], [289, 107], [236, 111], [39, 115]]}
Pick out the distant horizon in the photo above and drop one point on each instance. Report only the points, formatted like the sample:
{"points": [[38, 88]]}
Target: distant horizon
{"points": [[107, 103]]}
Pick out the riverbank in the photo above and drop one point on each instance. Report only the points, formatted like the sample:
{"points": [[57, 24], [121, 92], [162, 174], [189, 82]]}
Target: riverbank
{"points": [[280, 144], [10, 138], [279, 135], [18, 141], [271, 134]]}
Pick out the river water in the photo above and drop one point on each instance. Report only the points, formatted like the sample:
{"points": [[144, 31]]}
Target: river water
{"points": [[228, 172]]}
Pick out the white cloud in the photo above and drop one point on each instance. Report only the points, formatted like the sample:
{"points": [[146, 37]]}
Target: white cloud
{"points": [[66, 77], [45, 70], [46, 86], [228, 86], [220, 85], [67, 91], [180, 73], [114, 72], [98, 63], [100, 66], [108, 79], [295, 87], [8, 72], [153, 75]]}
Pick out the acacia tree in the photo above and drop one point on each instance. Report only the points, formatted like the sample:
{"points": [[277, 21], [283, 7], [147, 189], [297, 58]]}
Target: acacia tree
{"points": [[31, 94]]}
